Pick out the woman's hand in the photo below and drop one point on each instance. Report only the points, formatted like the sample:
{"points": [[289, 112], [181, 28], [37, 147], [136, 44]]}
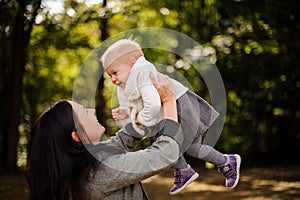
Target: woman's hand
{"points": [[165, 87], [166, 90]]}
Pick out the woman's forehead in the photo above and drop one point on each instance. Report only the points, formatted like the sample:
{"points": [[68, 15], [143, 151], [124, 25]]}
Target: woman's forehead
{"points": [[80, 108], [76, 106]]}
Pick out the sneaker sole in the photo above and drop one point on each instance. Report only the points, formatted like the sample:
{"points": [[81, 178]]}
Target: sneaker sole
{"points": [[238, 161], [194, 177]]}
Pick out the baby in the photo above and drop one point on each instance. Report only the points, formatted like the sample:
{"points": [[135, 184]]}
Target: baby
{"points": [[139, 102]]}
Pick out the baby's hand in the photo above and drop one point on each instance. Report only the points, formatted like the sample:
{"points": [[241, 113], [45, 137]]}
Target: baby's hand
{"points": [[119, 114]]}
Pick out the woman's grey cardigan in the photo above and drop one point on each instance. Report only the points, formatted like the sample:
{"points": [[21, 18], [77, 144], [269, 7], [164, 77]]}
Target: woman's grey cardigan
{"points": [[118, 176]]}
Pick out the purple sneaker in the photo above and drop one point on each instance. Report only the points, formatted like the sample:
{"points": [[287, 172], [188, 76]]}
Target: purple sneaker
{"points": [[231, 170], [183, 177]]}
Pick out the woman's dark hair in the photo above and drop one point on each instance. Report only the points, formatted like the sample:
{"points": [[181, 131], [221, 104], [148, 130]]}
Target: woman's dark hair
{"points": [[55, 159]]}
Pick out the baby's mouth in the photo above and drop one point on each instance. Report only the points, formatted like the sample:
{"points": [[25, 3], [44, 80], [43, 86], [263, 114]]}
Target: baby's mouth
{"points": [[120, 84]]}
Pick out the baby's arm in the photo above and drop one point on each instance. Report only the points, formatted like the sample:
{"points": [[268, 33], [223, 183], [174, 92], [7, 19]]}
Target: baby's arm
{"points": [[121, 113]]}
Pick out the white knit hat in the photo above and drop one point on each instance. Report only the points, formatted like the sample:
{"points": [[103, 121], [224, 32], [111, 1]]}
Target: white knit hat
{"points": [[117, 49]]}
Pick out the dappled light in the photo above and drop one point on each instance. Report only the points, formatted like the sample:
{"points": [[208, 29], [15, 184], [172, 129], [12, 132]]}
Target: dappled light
{"points": [[254, 44]]}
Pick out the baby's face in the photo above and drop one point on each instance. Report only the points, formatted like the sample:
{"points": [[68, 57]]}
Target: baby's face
{"points": [[119, 71]]}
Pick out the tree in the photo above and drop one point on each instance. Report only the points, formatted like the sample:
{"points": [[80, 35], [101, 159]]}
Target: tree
{"points": [[100, 100], [254, 44], [16, 27]]}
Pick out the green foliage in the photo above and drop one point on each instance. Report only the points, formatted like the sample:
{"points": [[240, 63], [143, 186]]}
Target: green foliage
{"points": [[56, 50], [254, 43]]}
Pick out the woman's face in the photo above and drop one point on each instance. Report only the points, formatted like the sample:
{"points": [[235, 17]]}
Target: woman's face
{"points": [[87, 119]]}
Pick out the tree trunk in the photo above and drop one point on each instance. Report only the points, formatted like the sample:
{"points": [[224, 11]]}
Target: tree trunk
{"points": [[22, 27], [100, 101], [18, 66]]}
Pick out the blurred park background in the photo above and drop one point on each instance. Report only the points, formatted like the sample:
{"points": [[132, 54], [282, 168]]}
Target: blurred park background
{"points": [[254, 43]]}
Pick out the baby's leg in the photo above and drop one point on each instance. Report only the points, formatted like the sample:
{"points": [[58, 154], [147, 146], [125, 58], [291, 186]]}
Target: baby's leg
{"points": [[228, 165], [181, 163], [206, 153]]}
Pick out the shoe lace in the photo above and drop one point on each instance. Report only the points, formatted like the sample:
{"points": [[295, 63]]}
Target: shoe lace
{"points": [[178, 176], [228, 171]]}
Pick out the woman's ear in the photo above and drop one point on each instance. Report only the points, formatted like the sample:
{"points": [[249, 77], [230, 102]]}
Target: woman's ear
{"points": [[75, 136]]}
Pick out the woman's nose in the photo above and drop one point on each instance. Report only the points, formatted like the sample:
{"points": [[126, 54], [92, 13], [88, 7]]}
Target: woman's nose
{"points": [[91, 111]]}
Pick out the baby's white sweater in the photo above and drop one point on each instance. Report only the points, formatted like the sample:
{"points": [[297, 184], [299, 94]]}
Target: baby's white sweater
{"points": [[139, 97]]}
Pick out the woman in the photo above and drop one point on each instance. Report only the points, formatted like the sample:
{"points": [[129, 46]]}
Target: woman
{"points": [[67, 160]]}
